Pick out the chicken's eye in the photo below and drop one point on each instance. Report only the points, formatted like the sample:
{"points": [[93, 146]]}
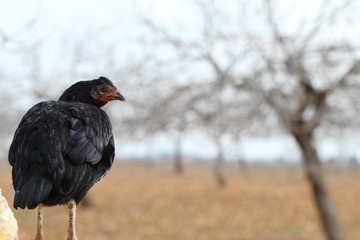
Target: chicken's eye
{"points": [[103, 89]]}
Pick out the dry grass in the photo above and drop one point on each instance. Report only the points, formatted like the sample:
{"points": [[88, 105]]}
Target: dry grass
{"points": [[130, 204]]}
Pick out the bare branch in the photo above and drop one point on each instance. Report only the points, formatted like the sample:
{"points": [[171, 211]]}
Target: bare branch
{"points": [[323, 18]]}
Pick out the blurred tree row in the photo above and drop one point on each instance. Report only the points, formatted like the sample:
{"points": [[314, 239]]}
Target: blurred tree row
{"points": [[301, 81]]}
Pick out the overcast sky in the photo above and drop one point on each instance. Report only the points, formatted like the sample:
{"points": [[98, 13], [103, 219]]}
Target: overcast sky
{"points": [[55, 23]]}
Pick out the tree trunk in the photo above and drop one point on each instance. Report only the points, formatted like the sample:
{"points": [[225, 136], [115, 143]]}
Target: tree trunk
{"points": [[149, 160], [148, 163], [178, 159], [219, 168], [242, 165], [325, 206]]}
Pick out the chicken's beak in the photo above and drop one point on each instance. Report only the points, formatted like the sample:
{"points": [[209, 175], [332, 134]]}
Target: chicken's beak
{"points": [[120, 97]]}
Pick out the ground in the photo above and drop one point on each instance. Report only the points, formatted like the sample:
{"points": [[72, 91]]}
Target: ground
{"points": [[133, 203]]}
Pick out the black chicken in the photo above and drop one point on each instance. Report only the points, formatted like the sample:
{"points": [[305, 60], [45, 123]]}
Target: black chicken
{"points": [[62, 148]]}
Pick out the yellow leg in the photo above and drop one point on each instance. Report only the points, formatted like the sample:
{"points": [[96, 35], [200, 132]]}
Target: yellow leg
{"points": [[72, 215], [39, 224]]}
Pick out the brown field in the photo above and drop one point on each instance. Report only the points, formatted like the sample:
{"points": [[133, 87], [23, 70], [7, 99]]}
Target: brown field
{"points": [[136, 204]]}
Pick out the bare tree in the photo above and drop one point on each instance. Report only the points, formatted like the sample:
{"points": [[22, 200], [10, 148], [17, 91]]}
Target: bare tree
{"points": [[300, 97], [205, 97], [297, 74]]}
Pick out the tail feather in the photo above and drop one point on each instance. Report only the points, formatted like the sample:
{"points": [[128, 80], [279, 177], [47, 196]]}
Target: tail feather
{"points": [[42, 189], [32, 192]]}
